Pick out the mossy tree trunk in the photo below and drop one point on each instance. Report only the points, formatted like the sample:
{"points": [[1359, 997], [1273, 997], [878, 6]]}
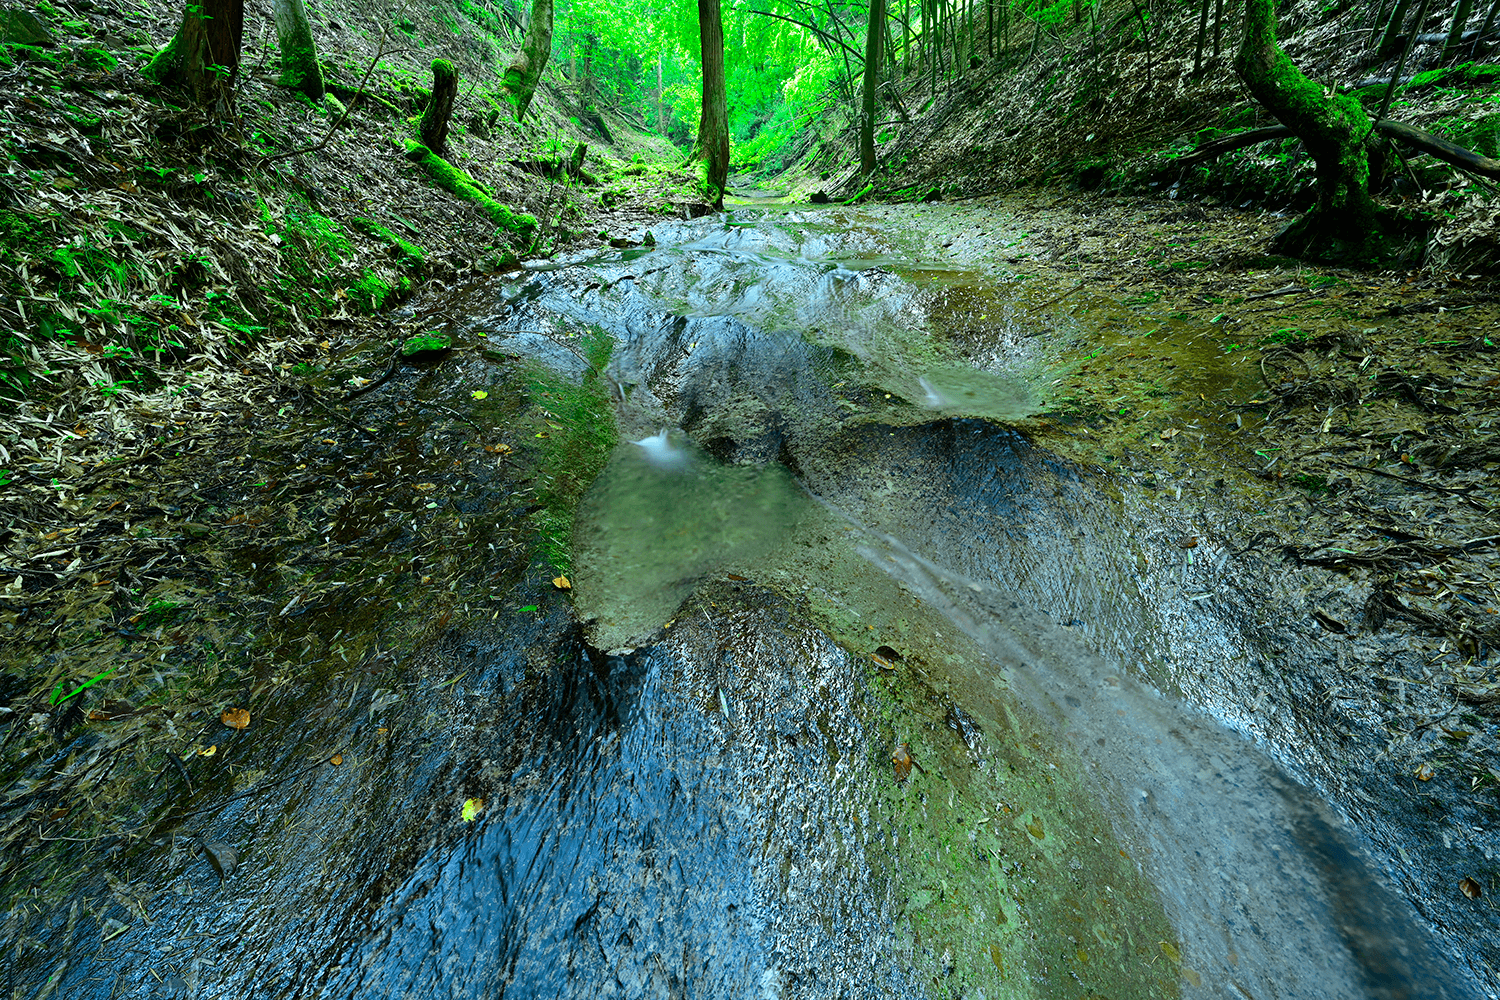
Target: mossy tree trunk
{"points": [[1334, 129], [299, 55], [873, 52], [433, 127], [525, 69], [204, 55], [713, 123]]}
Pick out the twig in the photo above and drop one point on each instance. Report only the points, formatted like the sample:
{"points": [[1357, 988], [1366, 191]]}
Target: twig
{"points": [[1058, 298]]}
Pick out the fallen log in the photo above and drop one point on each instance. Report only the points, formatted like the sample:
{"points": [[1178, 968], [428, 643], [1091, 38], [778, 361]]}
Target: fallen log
{"points": [[1448, 152]]}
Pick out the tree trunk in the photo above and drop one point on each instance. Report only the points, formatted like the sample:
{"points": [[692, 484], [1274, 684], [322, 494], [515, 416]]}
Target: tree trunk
{"points": [[299, 56], [1484, 29], [204, 55], [1334, 131], [873, 51], [661, 118], [1202, 39], [585, 86], [1391, 40], [1455, 32], [525, 69], [713, 124], [434, 125]]}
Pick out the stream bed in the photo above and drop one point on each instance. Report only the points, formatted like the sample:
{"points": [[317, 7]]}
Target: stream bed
{"points": [[864, 693]]}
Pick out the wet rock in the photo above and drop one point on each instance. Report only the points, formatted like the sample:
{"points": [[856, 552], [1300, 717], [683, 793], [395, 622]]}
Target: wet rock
{"points": [[426, 347], [221, 857]]}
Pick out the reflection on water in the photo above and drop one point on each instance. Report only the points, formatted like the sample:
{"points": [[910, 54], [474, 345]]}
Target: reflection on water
{"points": [[963, 389], [661, 516]]}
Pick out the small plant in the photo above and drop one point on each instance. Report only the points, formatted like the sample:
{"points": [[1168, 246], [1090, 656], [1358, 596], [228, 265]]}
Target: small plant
{"points": [[80, 688]]}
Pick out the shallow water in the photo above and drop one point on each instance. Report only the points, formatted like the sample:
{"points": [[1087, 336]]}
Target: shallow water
{"points": [[868, 700], [1268, 890]]}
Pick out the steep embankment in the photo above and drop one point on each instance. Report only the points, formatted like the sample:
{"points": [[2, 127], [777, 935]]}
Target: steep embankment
{"points": [[186, 304], [1113, 102]]}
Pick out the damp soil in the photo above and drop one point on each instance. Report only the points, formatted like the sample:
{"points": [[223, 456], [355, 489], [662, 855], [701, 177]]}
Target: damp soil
{"points": [[1262, 490]]}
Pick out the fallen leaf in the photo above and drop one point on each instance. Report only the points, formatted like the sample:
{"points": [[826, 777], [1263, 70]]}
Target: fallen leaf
{"points": [[236, 718], [1330, 623], [530, 607], [479, 394], [221, 857], [1187, 542], [1169, 433], [424, 487], [336, 759], [472, 809], [209, 751], [901, 761], [498, 449], [1424, 773], [562, 583], [1470, 888]]}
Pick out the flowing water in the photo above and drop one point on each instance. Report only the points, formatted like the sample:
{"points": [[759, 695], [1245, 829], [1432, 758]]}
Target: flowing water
{"points": [[868, 701]]}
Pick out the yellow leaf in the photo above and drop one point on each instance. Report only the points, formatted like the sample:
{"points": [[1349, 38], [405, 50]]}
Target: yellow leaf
{"points": [[562, 583], [209, 751], [472, 808], [236, 718], [479, 394]]}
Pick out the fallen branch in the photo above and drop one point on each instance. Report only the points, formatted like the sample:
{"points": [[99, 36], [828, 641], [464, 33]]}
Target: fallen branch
{"points": [[1451, 153], [1458, 156]]}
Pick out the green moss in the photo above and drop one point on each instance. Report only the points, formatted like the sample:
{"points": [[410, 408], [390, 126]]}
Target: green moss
{"points": [[1483, 136], [20, 236], [372, 291], [428, 343], [459, 183], [412, 257], [1001, 868], [94, 58], [576, 441], [166, 64]]}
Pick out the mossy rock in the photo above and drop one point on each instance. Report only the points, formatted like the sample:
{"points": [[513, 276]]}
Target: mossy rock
{"points": [[428, 346], [1483, 136], [1469, 74], [23, 28]]}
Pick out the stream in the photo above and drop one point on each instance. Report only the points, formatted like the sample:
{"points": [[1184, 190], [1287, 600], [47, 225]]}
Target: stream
{"points": [[873, 696]]}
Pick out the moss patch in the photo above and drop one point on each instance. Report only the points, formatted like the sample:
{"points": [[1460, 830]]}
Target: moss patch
{"points": [[457, 182]]}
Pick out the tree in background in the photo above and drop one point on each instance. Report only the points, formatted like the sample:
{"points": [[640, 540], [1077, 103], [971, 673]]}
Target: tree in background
{"points": [[713, 122], [204, 55], [525, 69], [874, 49], [1334, 129], [299, 56]]}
